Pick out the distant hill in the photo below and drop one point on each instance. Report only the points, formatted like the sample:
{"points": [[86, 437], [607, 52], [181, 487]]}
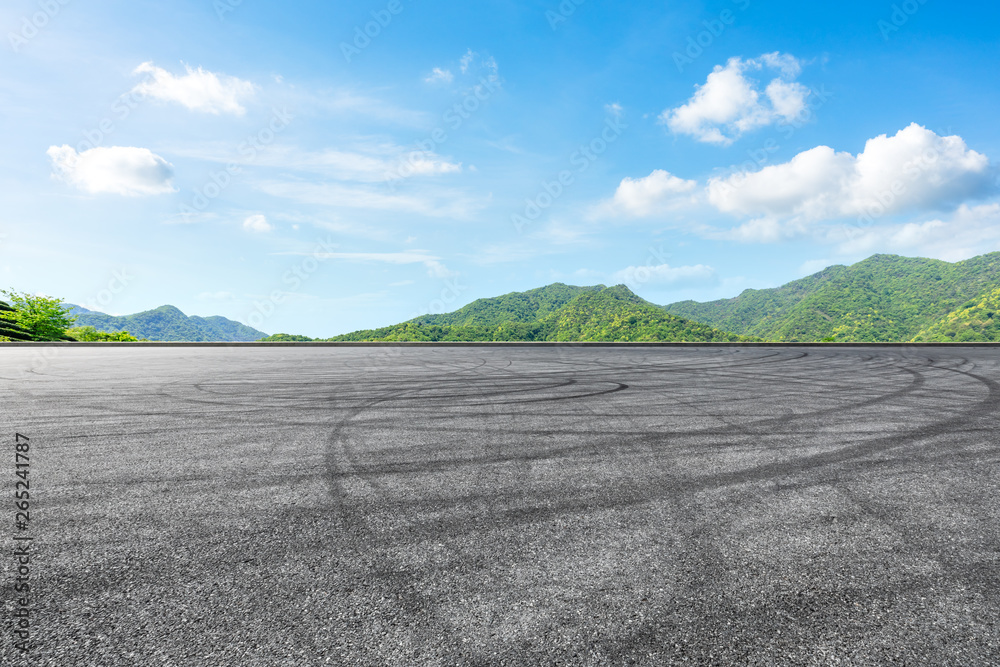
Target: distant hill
{"points": [[554, 313], [168, 323], [885, 298]]}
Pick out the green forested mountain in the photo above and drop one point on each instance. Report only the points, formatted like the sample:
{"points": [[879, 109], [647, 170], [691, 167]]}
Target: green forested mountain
{"points": [[885, 298], [975, 321], [590, 314], [530, 306], [168, 323]]}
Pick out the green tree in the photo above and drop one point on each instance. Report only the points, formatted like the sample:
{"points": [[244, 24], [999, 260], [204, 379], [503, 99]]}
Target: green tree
{"points": [[90, 335], [286, 338], [42, 317]]}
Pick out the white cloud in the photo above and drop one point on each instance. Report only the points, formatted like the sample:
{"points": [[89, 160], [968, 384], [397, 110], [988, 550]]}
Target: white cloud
{"points": [[658, 192], [369, 164], [969, 231], [729, 103], [664, 274], [446, 204], [257, 224], [198, 90], [914, 170], [440, 76], [363, 161], [789, 65], [118, 170], [760, 230], [787, 99], [435, 268]]}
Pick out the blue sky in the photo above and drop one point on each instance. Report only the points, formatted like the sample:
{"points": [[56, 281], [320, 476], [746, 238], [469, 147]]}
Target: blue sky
{"points": [[317, 167]]}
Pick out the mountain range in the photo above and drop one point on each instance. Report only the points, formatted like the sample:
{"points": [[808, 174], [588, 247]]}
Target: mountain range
{"points": [[885, 298], [167, 323], [554, 313]]}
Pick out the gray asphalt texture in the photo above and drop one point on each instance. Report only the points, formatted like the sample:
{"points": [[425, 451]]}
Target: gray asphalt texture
{"points": [[508, 506]]}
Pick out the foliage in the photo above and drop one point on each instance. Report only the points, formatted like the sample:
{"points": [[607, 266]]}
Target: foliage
{"points": [[885, 298], [10, 332], [168, 323], [593, 314], [516, 307], [975, 321], [90, 335], [286, 338], [41, 318]]}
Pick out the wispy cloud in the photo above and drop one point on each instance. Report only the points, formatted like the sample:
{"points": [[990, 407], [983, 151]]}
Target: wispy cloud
{"points": [[435, 268], [198, 89], [362, 160], [441, 204], [439, 75]]}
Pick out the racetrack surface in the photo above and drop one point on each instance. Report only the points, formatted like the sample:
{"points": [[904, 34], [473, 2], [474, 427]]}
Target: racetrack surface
{"points": [[515, 506]]}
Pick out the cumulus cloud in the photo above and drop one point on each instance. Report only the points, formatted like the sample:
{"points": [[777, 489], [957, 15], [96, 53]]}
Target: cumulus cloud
{"points": [[257, 224], [198, 90], [440, 76], [118, 170], [658, 192], [914, 170], [730, 103], [664, 274]]}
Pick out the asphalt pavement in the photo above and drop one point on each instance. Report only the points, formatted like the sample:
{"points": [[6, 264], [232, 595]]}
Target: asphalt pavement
{"points": [[558, 505]]}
